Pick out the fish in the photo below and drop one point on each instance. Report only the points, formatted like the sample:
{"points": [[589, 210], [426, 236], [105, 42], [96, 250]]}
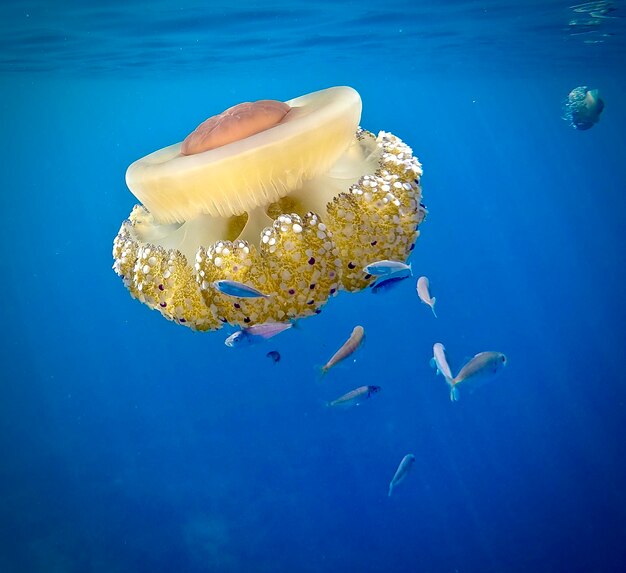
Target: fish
{"points": [[268, 330], [257, 332], [237, 289], [385, 267], [403, 469], [483, 368], [274, 355], [387, 283], [439, 361], [424, 294], [239, 338], [348, 347], [355, 397]]}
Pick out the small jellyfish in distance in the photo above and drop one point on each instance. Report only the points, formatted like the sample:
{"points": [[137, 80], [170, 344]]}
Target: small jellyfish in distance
{"points": [[287, 199], [582, 108]]}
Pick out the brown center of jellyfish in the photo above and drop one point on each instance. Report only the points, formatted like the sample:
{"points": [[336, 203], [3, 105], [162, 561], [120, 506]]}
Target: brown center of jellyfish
{"points": [[237, 122]]}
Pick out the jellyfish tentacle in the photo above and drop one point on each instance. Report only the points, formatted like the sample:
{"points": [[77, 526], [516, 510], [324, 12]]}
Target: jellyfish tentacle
{"points": [[241, 262], [257, 221], [344, 218], [183, 298], [162, 279], [302, 256], [379, 214], [125, 254]]}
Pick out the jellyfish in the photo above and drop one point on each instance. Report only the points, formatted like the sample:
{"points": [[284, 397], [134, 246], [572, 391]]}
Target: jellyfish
{"points": [[292, 198], [582, 108]]}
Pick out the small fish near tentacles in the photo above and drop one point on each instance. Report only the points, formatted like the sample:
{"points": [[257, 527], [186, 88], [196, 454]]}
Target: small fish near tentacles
{"points": [[255, 333], [385, 268], [387, 283], [483, 368], [403, 469], [355, 397], [348, 348], [423, 292], [238, 290]]}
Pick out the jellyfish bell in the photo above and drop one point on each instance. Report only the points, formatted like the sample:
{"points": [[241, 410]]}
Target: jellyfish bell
{"points": [[237, 122], [594, 102], [239, 174], [583, 107], [587, 113], [290, 198]]}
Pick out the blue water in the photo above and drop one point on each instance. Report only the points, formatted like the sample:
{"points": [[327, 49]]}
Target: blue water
{"points": [[131, 444]]}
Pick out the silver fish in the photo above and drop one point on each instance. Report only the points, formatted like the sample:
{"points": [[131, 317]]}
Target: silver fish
{"points": [[238, 339], [403, 469], [268, 330], [424, 294], [348, 347], [484, 367], [256, 332], [385, 267], [439, 361], [355, 397], [237, 289]]}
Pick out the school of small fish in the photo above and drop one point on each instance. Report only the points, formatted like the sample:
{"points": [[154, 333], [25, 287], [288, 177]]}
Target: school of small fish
{"points": [[476, 371]]}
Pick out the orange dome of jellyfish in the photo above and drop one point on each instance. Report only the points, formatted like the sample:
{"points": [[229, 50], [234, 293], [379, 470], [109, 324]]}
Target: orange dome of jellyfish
{"points": [[292, 199]]}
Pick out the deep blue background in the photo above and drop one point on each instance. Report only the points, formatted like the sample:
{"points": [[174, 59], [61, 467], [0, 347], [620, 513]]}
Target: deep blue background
{"points": [[130, 444]]}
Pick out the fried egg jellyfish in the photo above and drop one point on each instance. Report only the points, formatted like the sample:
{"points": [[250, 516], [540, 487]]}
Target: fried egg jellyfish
{"points": [[293, 199], [582, 108]]}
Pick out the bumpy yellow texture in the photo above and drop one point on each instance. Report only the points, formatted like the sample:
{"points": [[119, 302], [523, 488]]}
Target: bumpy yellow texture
{"points": [[301, 261]]}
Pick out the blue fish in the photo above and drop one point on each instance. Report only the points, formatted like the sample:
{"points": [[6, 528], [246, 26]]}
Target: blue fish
{"points": [[237, 289], [388, 283]]}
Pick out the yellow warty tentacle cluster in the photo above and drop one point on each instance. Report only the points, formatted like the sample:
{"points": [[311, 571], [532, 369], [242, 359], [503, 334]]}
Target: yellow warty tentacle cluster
{"points": [[301, 260]]}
